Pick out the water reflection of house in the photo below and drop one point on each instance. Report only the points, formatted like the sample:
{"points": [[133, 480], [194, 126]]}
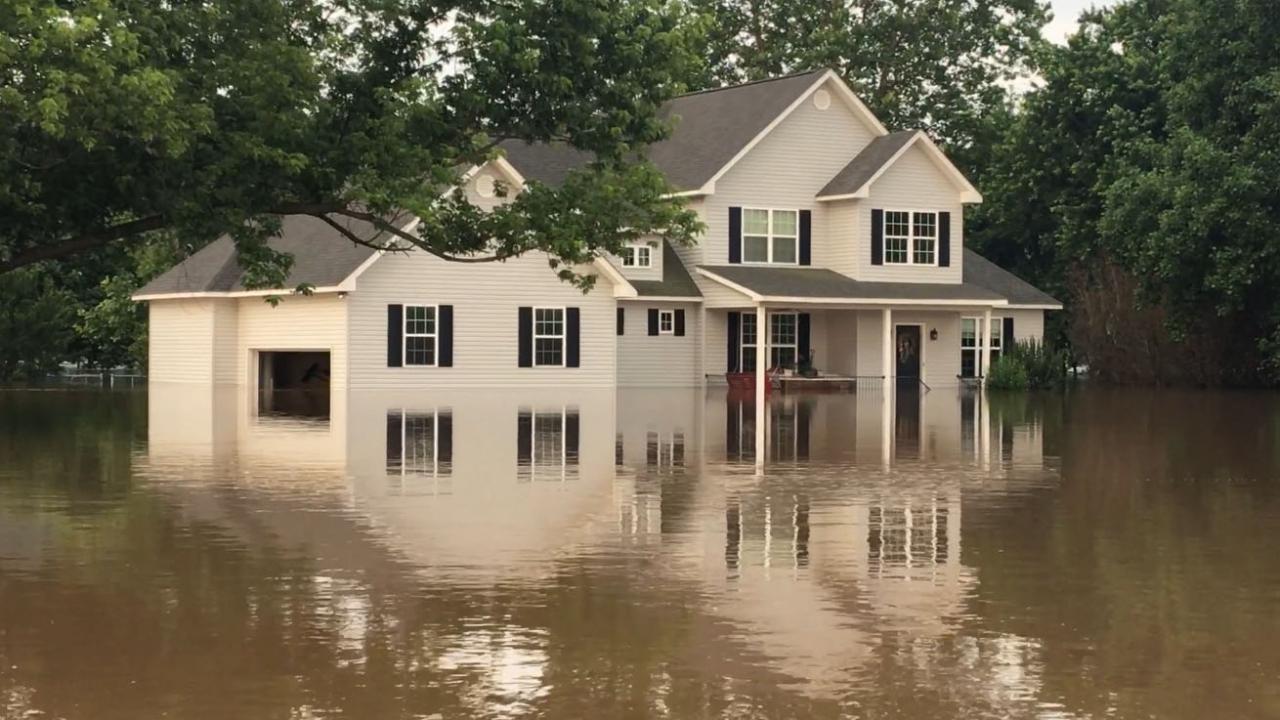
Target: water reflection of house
{"points": [[851, 528]]}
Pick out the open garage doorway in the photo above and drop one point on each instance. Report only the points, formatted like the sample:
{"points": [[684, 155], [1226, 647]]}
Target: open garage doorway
{"points": [[294, 382]]}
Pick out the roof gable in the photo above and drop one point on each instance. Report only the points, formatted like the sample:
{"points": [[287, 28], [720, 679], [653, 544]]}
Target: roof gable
{"points": [[856, 178], [712, 130]]}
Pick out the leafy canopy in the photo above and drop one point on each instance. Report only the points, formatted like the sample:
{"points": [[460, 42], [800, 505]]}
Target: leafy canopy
{"points": [[938, 65], [124, 117]]}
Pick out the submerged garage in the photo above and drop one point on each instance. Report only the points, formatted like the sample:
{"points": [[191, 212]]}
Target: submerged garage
{"points": [[294, 382]]}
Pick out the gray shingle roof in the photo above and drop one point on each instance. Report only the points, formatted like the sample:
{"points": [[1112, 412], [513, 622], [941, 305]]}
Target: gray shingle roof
{"points": [[818, 284], [321, 257], [867, 163], [981, 271], [675, 282], [711, 126]]}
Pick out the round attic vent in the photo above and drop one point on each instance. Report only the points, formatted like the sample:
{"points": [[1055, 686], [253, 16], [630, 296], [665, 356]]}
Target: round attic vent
{"points": [[822, 99], [485, 186]]}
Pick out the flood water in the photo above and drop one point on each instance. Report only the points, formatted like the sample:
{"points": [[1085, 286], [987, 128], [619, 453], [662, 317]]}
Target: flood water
{"points": [[591, 554]]}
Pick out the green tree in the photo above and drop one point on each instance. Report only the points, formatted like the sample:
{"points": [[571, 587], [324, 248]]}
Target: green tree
{"points": [[36, 324], [1147, 156], [124, 117], [940, 65], [112, 328]]}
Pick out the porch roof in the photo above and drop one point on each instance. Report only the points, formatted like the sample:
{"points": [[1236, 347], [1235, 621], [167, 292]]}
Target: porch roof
{"points": [[819, 285]]}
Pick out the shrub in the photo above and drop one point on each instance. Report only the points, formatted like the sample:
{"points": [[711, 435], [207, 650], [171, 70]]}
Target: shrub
{"points": [[1007, 373], [1028, 365]]}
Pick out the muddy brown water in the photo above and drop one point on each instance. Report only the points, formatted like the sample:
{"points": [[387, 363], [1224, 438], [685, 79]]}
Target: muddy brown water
{"points": [[184, 553]]}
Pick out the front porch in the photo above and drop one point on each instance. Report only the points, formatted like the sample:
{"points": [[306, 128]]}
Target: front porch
{"points": [[851, 347], [813, 321]]}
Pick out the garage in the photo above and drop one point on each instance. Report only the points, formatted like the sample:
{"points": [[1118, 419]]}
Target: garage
{"points": [[294, 382]]}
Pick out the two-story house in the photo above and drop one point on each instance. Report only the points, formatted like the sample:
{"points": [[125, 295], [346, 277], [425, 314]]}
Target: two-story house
{"points": [[829, 239]]}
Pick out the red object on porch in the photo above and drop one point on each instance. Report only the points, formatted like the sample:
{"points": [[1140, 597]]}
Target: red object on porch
{"points": [[746, 382]]}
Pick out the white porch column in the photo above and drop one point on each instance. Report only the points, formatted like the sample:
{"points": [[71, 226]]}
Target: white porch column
{"points": [[985, 339], [886, 318], [762, 372]]}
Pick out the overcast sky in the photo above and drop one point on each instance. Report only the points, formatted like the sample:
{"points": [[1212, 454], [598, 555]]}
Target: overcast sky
{"points": [[1065, 13]]}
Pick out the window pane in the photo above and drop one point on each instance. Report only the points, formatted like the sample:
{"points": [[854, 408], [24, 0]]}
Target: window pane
{"points": [[924, 251], [629, 257], [897, 223], [782, 357], [643, 258], [549, 321], [548, 351], [968, 332], [997, 327], [782, 329], [755, 222], [784, 222], [755, 248], [784, 250], [420, 320], [895, 250], [748, 329], [419, 350], [926, 225]]}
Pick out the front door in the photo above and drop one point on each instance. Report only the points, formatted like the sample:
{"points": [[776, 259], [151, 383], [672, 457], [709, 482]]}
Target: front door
{"points": [[907, 339]]}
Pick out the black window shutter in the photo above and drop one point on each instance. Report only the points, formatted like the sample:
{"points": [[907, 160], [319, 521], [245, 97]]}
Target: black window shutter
{"points": [[526, 337], [395, 335], [445, 336], [680, 323], [944, 239], [1006, 338], [572, 341], [802, 336], [804, 413], [524, 437], [735, 235], [877, 237], [653, 321], [735, 323], [444, 437], [394, 431], [806, 237], [622, 321], [571, 435]]}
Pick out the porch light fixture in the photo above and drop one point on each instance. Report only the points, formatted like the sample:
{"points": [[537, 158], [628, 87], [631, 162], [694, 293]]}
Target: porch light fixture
{"points": [[933, 333]]}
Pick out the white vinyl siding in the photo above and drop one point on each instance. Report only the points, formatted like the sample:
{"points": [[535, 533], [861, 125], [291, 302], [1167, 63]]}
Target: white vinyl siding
{"points": [[658, 360], [485, 300], [180, 341], [912, 184]]}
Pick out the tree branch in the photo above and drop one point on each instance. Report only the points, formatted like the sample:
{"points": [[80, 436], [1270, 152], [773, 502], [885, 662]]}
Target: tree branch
{"points": [[385, 226], [83, 243]]}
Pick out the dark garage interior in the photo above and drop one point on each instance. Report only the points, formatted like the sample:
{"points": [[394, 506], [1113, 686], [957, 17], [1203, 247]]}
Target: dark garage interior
{"points": [[293, 382]]}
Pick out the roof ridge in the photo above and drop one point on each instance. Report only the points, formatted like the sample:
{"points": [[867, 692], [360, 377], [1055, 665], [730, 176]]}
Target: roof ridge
{"points": [[789, 76]]}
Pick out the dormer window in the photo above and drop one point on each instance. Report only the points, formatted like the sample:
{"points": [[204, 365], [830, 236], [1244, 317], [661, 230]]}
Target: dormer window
{"points": [[637, 256], [770, 236], [910, 238]]}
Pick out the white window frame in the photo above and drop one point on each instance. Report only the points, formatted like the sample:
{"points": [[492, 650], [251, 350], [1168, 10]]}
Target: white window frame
{"points": [[562, 337], [553, 465], [770, 236], [435, 337], [420, 471], [666, 322], [631, 256], [911, 237], [993, 336], [744, 348]]}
